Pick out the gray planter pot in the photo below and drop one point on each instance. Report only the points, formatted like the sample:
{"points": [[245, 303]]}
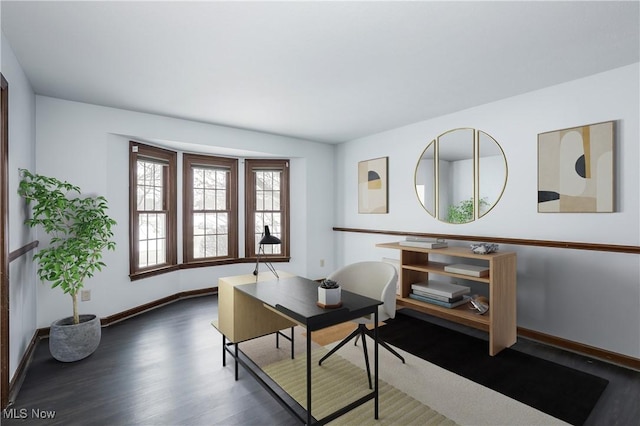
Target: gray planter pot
{"points": [[70, 342]]}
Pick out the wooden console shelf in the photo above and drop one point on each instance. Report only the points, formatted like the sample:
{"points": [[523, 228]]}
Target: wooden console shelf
{"points": [[499, 322]]}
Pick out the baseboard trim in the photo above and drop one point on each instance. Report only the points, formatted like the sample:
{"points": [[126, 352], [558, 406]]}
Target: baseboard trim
{"points": [[21, 371], [580, 348], [41, 333]]}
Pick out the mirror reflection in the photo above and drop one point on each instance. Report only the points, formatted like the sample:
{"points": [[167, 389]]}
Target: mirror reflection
{"points": [[461, 175]]}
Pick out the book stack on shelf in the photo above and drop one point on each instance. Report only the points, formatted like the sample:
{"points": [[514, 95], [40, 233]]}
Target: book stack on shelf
{"points": [[440, 293], [471, 270], [423, 242]]}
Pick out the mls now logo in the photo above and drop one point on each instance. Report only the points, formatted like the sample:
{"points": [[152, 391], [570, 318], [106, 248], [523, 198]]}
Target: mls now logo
{"points": [[14, 413], [23, 413]]}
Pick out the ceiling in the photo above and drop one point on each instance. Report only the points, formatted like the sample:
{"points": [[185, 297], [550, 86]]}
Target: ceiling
{"points": [[323, 71]]}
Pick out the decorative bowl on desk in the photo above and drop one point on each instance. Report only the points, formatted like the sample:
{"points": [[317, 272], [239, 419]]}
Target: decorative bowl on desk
{"points": [[329, 295], [484, 248]]}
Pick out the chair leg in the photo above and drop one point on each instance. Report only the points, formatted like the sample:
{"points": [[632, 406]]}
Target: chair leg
{"points": [[384, 345], [355, 333]]}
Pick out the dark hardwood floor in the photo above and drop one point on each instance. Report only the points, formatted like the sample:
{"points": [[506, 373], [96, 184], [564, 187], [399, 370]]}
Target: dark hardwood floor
{"points": [[164, 367]]}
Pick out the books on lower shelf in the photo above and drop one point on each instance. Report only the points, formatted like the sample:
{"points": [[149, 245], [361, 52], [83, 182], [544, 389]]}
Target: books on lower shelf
{"points": [[437, 296], [423, 242], [441, 288], [471, 270], [462, 301]]}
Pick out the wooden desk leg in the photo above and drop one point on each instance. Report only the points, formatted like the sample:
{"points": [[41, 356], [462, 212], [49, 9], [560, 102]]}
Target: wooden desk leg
{"points": [[375, 352], [308, 377]]}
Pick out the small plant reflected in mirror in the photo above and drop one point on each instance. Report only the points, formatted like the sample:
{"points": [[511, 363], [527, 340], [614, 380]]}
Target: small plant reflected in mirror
{"points": [[463, 211]]}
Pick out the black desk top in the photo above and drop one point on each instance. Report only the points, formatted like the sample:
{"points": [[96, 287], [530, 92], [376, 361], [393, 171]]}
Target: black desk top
{"points": [[296, 297]]}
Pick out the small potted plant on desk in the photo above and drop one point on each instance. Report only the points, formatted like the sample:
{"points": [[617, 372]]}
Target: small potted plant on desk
{"points": [[329, 294], [80, 230]]}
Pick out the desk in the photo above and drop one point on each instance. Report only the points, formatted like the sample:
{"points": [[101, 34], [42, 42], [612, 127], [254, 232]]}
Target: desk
{"points": [[294, 299], [241, 317]]}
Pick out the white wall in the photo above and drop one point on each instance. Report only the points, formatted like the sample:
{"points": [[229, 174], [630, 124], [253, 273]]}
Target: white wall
{"points": [[589, 297], [22, 279], [88, 146]]}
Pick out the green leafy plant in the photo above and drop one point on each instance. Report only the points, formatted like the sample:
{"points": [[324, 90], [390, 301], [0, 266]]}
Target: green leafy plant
{"points": [[463, 211], [80, 230]]}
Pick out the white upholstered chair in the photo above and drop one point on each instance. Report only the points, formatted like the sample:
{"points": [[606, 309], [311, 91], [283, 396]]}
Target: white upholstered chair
{"points": [[376, 280]]}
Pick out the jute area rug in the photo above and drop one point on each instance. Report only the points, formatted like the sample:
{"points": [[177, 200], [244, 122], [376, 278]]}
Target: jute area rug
{"points": [[338, 382], [456, 399]]}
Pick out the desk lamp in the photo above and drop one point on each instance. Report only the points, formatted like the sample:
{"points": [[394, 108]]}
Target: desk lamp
{"points": [[266, 239]]}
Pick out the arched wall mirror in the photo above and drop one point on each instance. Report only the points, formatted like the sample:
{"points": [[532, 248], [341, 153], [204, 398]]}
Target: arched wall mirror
{"points": [[461, 175]]}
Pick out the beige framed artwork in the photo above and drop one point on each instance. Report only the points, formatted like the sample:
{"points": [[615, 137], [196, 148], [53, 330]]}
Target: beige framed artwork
{"points": [[576, 169], [373, 186]]}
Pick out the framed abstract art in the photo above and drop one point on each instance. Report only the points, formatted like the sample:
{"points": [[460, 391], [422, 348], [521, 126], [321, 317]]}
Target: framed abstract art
{"points": [[373, 186], [576, 169]]}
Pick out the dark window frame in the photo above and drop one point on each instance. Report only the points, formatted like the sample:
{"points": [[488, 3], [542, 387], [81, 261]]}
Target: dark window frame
{"points": [[230, 164], [138, 151], [251, 166]]}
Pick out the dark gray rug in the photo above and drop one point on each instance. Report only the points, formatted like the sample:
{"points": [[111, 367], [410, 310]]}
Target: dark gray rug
{"points": [[559, 391]]}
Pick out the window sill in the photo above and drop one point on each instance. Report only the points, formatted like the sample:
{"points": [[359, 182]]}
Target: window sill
{"points": [[153, 272], [204, 264]]}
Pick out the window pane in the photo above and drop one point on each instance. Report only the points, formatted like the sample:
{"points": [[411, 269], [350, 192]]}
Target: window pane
{"points": [[210, 246], [209, 199], [222, 245], [221, 200], [152, 252], [142, 226], [223, 223], [161, 230], [259, 181], [162, 251], [221, 179], [259, 221], [276, 200], [198, 178], [268, 181], [142, 256], [259, 200], [198, 224], [210, 223], [209, 178], [198, 247], [159, 201], [268, 200], [198, 199], [140, 198]]}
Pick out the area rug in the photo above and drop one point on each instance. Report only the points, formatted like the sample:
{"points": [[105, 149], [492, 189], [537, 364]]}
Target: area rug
{"points": [[455, 397], [559, 391], [338, 382]]}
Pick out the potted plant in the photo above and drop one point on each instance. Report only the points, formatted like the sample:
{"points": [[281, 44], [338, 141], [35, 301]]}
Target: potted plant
{"points": [[329, 294], [80, 230]]}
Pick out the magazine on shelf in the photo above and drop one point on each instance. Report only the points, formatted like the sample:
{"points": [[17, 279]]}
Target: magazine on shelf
{"points": [[425, 239], [471, 270], [460, 302], [433, 244], [441, 288]]}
